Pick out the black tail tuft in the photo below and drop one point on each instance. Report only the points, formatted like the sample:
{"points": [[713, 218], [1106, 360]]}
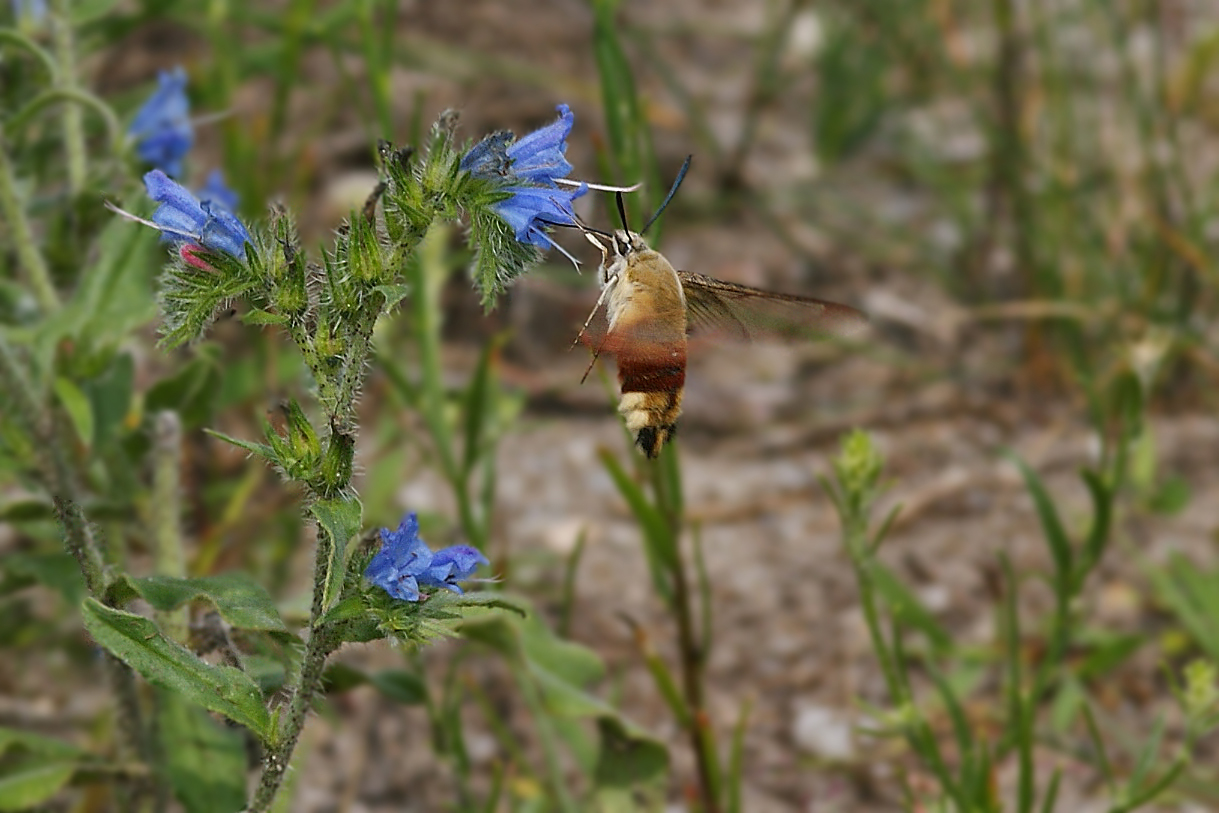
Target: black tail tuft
{"points": [[651, 439]]}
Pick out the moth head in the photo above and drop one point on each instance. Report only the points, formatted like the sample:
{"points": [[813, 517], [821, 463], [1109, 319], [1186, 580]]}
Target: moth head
{"points": [[614, 257]]}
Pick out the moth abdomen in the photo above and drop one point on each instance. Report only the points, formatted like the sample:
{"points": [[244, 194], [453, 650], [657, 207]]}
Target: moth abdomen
{"points": [[651, 399]]}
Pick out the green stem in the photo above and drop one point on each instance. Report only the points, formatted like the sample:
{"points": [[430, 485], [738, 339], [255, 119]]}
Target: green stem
{"points": [[36, 271], [14, 37], [75, 97], [165, 511], [546, 734], [73, 120], [78, 536], [317, 648], [693, 657]]}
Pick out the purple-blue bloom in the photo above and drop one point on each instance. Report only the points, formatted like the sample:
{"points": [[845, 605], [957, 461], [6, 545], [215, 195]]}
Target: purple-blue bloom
{"points": [[184, 220], [529, 167], [36, 10], [217, 192], [162, 127], [405, 562]]}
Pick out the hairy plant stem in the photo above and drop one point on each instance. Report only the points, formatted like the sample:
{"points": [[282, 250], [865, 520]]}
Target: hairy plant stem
{"points": [[36, 271], [317, 648], [336, 393], [50, 439], [164, 511], [73, 118]]}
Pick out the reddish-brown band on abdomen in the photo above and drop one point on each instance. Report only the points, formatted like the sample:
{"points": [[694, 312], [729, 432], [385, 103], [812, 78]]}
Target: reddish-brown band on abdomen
{"points": [[646, 374]]}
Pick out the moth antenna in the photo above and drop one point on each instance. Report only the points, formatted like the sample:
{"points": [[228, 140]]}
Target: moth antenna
{"points": [[681, 176], [622, 212]]}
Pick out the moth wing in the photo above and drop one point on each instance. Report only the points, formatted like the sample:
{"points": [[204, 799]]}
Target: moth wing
{"points": [[722, 309]]}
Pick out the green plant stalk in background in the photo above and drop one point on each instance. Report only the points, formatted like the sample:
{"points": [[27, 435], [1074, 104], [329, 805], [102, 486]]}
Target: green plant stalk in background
{"points": [[660, 513]]}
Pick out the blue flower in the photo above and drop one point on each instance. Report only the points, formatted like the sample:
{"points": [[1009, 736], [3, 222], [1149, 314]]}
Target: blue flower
{"points": [[35, 10], [530, 169], [217, 192], [162, 127], [405, 563], [184, 220]]}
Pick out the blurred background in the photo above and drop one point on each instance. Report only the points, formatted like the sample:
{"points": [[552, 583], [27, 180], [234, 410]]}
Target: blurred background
{"points": [[1020, 193]]}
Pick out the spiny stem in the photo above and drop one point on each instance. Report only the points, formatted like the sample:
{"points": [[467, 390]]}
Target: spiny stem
{"points": [[317, 648], [73, 118], [36, 271], [165, 510]]}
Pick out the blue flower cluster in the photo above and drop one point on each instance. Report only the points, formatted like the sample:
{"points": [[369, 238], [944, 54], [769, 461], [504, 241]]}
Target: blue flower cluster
{"points": [[405, 563], [162, 128], [528, 169], [185, 220]]}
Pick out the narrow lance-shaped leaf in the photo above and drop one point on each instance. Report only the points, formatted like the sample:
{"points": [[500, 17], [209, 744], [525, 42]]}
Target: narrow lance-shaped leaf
{"points": [[137, 642]]}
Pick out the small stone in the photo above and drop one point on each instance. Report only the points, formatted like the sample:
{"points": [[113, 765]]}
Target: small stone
{"points": [[824, 732]]}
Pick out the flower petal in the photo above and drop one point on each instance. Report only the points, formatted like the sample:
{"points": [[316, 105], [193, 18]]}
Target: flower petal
{"points": [[182, 218], [162, 127], [532, 206], [405, 562], [539, 156], [217, 192]]}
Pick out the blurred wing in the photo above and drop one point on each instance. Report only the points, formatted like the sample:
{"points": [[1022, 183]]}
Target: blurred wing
{"points": [[718, 308]]}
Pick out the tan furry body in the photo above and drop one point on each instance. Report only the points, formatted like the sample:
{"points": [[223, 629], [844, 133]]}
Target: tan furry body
{"points": [[650, 308], [646, 310]]}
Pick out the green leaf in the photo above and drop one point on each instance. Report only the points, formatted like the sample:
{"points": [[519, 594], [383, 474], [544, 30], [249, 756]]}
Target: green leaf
{"points": [[137, 642], [192, 391], [35, 768], [629, 132], [256, 316], [340, 519], [26, 509], [393, 294], [38, 745], [1193, 596], [241, 601], [57, 571], [567, 660], [628, 758], [261, 449], [479, 403], [1103, 497], [110, 399], [659, 544], [407, 688], [908, 610], [205, 760], [1171, 496], [340, 677], [32, 784], [76, 404], [1051, 525]]}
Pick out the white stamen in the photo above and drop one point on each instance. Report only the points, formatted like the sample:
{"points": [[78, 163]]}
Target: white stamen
{"points": [[195, 238], [598, 186], [210, 118]]}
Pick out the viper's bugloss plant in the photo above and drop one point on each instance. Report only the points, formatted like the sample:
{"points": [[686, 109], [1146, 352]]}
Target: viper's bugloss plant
{"points": [[508, 192]]}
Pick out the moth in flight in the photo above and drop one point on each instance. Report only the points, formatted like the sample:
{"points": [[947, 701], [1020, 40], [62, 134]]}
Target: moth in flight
{"points": [[651, 308]]}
